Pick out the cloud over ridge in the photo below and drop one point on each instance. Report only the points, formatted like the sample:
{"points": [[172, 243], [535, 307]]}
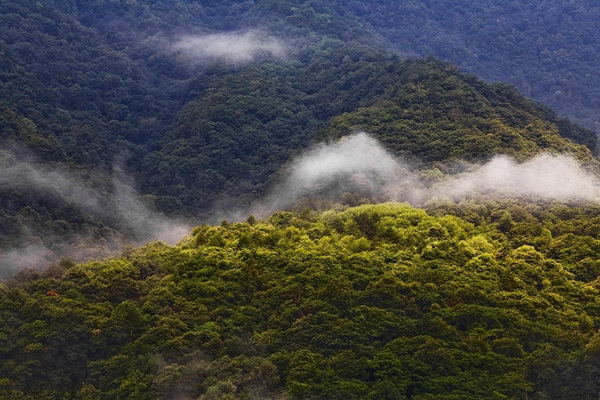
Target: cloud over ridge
{"points": [[360, 164], [238, 47]]}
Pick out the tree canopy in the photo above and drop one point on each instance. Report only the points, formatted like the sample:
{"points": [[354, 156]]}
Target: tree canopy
{"points": [[498, 300]]}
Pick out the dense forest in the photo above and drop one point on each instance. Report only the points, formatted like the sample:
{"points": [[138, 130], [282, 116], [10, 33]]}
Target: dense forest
{"points": [[548, 49], [482, 300], [94, 96], [274, 126]]}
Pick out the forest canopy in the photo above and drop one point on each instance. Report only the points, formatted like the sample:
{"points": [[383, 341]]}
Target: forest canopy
{"points": [[131, 120], [110, 98], [485, 300]]}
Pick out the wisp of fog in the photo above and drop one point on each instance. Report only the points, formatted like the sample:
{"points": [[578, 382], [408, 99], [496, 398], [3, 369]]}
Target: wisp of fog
{"points": [[234, 48], [118, 202], [146, 223], [26, 256], [545, 177], [358, 164]]}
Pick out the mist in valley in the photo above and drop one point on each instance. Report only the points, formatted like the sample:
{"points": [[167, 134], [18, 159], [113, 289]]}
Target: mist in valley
{"points": [[355, 167], [110, 200], [359, 166]]}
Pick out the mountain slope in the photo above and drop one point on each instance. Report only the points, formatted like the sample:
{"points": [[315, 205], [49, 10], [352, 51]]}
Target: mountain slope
{"points": [[245, 126], [433, 113], [466, 298], [378, 301], [64, 78], [548, 49], [93, 93]]}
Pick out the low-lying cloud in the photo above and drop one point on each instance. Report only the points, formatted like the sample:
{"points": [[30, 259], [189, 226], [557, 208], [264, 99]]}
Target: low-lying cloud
{"points": [[234, 48], [356, 167], [146, 224], [113, 203], [545, 177], [20, 175], [359, 166], [26, 256], [356, 164]]}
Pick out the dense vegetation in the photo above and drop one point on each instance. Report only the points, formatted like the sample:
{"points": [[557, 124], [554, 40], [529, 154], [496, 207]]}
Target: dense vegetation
{"points": [[87, 86], [70, 108], [480, 299], [547, 48], [244, 127], [86, 100], [372, 302]]}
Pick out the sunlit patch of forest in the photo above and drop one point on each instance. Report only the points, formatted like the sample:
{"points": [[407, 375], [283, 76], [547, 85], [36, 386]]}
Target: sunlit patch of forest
{"points": [[479, 300]]}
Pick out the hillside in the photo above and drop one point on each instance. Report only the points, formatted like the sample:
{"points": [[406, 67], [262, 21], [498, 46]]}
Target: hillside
{"points": [[228, 144], [106, 97], [410, 230], [423, 110], [87, 99], [380, 301], [547, 48], [72, 110]]}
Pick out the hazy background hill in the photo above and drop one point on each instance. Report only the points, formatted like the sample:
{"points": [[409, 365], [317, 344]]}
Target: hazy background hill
{"points": [[547, 48]]}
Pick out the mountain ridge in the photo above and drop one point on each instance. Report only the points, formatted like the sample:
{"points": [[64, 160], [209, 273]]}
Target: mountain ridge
{"points": [[98, 88]]}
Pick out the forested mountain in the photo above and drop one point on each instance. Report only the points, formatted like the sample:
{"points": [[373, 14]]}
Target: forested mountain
{"points": [[93, 92], [86, 99], [547, 48], [423, 110], [133, 120]]}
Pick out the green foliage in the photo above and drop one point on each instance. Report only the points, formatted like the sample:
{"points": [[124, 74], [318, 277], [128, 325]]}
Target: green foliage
{"points": [[377, 301], [230, 143], [431, 112], [468, 301], [85, 85], [546, 48]]}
